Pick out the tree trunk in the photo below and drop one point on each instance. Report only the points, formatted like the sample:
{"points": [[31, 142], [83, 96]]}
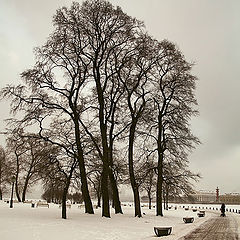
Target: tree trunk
{"points": [[159, 187], [159, 195], [167, 197], [131, 172], [25, 189], [64, 199], [64, 196], [149, 200], [16, 190], [24, 193], [160, 169], [103, 130], [164, 201], [105, 194], [1, 194], [83, 175], [115, 193], [16, 182], [99, 199], [137, 203], [84, 189]]}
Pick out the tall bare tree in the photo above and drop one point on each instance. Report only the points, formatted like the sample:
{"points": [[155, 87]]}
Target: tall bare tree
{"points": [[109, 34], [173, 104], [101, 82], [135, 78]]}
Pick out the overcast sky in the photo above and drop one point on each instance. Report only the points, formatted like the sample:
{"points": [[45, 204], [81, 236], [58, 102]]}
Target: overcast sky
{"points": [[207, 32]]}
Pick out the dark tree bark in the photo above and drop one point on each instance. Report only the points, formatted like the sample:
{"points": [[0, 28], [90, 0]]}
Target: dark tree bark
{"points": [[25, 189], [16, 181], [159, 210], [83, 175], [134, 184], [64, 208], [149, 200], [64, 196]]}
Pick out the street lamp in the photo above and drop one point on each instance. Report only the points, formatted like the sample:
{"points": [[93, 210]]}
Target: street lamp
{"points": [[11, 200]]}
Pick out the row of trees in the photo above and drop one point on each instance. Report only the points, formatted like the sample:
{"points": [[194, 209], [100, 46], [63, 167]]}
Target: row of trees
{"points": [[109, 105]]}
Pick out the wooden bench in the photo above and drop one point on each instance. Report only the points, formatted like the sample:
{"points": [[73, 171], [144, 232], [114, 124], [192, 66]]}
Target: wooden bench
{"points": [[42, 204], [188, 219], [194, 210], [162, 231]]}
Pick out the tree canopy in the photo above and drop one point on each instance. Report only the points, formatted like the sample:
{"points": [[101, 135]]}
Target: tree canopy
{"points": [[106, 94]]}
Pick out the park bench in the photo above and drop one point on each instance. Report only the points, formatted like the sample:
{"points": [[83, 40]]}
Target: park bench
{"points": [[194, 210], [42, 204], [188, 219], [162, 231], [201, 214], [186, 208]]}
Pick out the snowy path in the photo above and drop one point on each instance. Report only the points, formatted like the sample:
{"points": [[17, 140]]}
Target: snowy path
{"points": [[216, 228]]}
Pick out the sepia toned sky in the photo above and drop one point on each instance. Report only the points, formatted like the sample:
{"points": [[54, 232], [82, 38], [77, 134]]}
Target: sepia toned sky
{"points": [[207, 32]]}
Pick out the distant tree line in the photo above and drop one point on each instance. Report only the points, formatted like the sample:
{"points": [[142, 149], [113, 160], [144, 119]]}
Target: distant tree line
{"points": [[105, 104]]}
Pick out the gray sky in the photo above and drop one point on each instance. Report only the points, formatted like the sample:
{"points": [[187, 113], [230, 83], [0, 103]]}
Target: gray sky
{"points": [[207, 32]]}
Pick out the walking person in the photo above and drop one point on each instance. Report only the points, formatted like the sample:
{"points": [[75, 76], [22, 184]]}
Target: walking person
{"points": [[223, 210]]}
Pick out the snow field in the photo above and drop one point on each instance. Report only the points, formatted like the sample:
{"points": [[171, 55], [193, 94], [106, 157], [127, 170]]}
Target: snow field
{"points": [[26, 223]]}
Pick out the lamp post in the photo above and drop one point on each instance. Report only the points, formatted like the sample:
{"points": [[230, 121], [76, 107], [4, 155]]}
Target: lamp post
{"points": [[11, 200]]}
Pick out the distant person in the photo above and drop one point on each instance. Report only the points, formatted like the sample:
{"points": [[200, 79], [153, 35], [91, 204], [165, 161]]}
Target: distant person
{"points": [[223, 210]]}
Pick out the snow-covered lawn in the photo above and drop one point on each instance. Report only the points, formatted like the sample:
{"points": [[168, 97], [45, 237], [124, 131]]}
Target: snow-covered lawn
{"points": [[26, 223]]}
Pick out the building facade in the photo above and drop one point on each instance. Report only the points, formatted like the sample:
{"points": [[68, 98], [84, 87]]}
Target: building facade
{"points": [[204, 196], [230, 198]]}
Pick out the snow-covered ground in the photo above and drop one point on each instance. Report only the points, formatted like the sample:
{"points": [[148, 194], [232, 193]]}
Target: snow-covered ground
{"points": [[25, 223]]}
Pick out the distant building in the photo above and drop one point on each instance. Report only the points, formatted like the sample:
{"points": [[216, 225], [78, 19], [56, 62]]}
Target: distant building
{"points": [[215, 197], [230, 198], [204, 196]]}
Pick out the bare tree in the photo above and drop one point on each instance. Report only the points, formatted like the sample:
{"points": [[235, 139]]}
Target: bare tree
{"points": [[16, 151], [5, 172], [172, 107], [54, 86], [109, 34], [135, 77], [178, 180], [149, 181], [58, 172], [100, 82]]}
